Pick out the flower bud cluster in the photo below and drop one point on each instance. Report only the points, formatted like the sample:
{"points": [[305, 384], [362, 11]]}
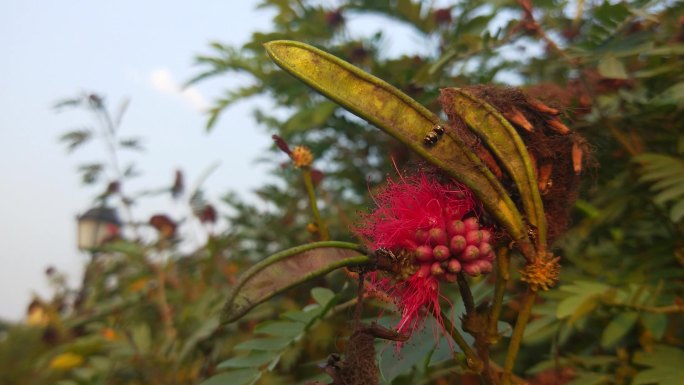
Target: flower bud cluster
{"points": [[462, 245]]}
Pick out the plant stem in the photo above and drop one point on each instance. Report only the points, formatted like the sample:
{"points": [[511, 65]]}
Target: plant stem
{"points": [[474, 324], [164, 308], [308, 182], [473, 361], [466, 294], [516, 338], [503, 275]]}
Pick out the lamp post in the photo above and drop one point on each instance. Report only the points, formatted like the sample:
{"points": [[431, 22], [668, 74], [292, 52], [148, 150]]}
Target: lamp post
{"points": [[97, 226]]}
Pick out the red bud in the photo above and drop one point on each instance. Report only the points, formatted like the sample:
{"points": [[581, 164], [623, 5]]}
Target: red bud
{"points": [[457, 244], [471, 224], [470, 253], [456, 228], [454, 266], [424, 253], [441, 253]]}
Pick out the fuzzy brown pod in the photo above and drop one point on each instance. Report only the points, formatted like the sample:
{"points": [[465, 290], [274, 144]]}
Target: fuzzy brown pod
{"points": [[358, 366], [557, 153]]}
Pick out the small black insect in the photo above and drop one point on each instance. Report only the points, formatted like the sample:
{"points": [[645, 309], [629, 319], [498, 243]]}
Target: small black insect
{"points": [[431, 138], [439, 130]]}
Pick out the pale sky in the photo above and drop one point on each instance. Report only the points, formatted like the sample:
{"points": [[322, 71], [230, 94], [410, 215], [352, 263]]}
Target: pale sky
{"points": [[137, 49]]}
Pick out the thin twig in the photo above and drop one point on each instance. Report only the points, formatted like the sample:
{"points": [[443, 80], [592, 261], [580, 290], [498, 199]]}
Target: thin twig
{"points": [[308, 182], [516, 338], [503, 275], [472, 360]]}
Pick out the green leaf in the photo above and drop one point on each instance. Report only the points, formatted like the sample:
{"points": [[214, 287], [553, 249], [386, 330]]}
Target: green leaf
{"points": [[667, 175], [618, 328], [264, 344], [589, 378], [301, 316], [677, 211], [142, 337], [583, 301], [280, 328], [309, 118], [322, 295], [75, 139], [234, 377], [252, 360], [403, 118], [655, 323], [611, 67], [665, 363], [286, 269]]}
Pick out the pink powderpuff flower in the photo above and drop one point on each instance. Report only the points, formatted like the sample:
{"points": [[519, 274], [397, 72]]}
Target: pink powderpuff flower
{"points": [[423, 223]]}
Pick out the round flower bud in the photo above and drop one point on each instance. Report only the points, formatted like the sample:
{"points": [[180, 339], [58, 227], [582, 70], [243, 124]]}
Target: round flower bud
{"points": [[488, 257], [472, 269], [485, 248], [437, 236], [422, 236], [436, 269], [474, 237], [471, 224], [455, 228], [441, 253], [424, 253], [486, 236], [485, 266], [454, 266], [470, 253], [457, 244], [450, 277]]}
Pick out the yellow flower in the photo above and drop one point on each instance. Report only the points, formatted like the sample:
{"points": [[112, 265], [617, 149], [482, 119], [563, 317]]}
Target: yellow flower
{"points": [[109, 334], [66, 361], [301, 156], [542, 274]]}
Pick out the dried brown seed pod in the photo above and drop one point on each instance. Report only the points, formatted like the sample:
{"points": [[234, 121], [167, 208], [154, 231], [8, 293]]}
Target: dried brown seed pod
{"points": [[543, 108], [544, 181], [517, 118], [577, 155], [558, 126]]}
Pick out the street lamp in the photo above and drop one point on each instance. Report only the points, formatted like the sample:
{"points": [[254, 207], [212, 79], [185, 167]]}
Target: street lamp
{"points": [[96, 226]]}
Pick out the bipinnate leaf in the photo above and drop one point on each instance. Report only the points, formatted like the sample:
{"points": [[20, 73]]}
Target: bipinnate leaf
{"points": [[610, 67], [505, 143], [618, 328], [665, 366], [665, 173], [235, 377], [403, 118], [286, 269]]}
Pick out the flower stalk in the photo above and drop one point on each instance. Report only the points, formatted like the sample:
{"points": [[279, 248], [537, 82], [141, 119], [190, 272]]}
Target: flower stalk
{"points": [[322, 228]]}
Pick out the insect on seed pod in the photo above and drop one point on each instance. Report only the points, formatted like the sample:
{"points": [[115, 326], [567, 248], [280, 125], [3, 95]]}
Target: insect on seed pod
{"points": [[431, 138], [438, 129]]}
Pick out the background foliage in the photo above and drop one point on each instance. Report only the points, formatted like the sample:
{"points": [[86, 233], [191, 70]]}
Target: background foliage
{"points": [[148, 315]]}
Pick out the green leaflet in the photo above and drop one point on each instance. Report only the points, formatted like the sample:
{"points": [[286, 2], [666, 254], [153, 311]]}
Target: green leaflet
{"points": [[286, 269], [508, 147], [405, 119]]}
